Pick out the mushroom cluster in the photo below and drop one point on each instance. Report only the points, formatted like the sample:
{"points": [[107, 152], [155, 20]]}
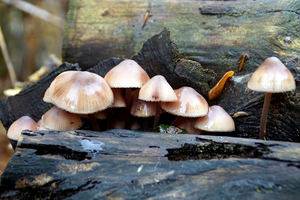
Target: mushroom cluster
{"points": [[81, 94]]}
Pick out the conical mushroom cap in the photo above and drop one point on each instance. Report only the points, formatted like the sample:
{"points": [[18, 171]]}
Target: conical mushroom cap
{"points": [[157, 89], [23, 123], [189, 104], [80, 92], [217, 120], [127, 74], [58, 119], [272, 76]]}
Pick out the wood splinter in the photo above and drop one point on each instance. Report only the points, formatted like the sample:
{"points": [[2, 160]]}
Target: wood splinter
{"points": [[145, 18], [244, 57], [218, 88]]}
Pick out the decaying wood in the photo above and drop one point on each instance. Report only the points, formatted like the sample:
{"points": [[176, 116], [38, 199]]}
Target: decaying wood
{"points": [[213, 33], [137, 165], [160, 55]]}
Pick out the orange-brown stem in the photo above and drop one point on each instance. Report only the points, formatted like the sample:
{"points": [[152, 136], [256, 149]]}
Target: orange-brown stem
{"points": [[264, 115], [176, 121], [94, 122]]}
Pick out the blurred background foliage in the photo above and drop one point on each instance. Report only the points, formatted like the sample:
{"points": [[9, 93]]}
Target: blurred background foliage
{"points": [[29, 40]]}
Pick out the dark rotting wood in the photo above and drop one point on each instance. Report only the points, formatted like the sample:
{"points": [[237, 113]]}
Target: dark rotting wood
{"points": [[135, 165]]}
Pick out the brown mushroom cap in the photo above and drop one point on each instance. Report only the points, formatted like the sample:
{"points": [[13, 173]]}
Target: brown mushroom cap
{"points": [[23, 123], [58, 119], [189, 104], [80, 92], [127, 74], [272, 76], [217, 120], [157, 89]]}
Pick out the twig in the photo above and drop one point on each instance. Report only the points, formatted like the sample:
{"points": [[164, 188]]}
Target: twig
{"points": [[9, 65], [37, 12], [145, 18]]}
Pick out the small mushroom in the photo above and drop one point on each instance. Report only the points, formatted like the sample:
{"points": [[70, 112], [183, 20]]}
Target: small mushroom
{"points": [[157, 90], [189, 104], [271, 76], [128, 74], [16, 128], [217, 120], [58, 119]]}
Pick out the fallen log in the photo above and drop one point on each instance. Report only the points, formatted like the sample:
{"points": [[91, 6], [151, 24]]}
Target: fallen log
{"points": [[213, 33], [138, 165]]}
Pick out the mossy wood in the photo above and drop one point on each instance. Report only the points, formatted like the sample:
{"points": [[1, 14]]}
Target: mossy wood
{"points": [[213, 33], [122, 164]]}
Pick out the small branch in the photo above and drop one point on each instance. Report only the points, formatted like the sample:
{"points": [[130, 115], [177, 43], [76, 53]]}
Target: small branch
{"points": [[8, 62], [37, 12]]}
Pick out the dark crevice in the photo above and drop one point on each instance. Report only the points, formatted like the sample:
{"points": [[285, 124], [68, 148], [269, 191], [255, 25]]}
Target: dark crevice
{"points": [[65, 152], [293, 11], [216, 150]]}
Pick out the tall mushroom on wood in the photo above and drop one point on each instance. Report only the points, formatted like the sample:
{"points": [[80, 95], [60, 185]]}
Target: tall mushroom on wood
{"points": [[271, 76], [81, 93]]}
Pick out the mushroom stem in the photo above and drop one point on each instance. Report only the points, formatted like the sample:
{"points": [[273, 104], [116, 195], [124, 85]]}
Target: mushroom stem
{"points": [[263, 119], [128, 106], [93, 122], [109, 118], [177, 121], [157, 115]]}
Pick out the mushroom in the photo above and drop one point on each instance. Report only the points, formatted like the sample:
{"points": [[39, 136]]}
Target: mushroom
{"points": [[188, 125], [189, 104], [271, 76], [81, 93], [217, 120], [58, 119], [16, 128], [119, 102], [158, 90], [140, 108], [127, 74]]}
